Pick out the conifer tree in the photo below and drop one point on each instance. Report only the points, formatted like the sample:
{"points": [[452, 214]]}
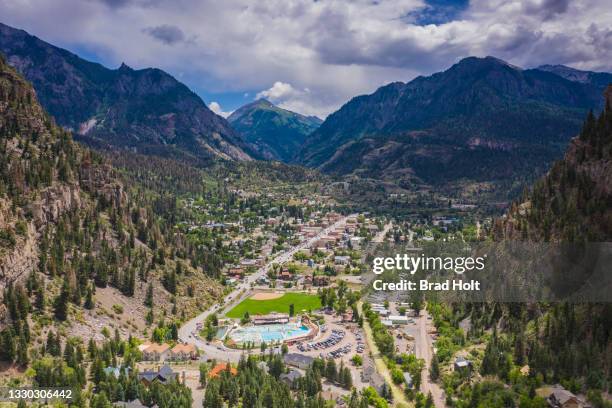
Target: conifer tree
{"points": [[434, 370], [89, 302], [22, 351], [61, 302], [40, 298], [149, 297]]}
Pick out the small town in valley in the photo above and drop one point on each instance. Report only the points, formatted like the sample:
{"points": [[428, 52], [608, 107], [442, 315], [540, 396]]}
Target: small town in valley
{"points": [[306, 204]]}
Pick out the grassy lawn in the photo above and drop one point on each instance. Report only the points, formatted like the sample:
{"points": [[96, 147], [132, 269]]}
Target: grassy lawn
{"points": [[301, 301]]}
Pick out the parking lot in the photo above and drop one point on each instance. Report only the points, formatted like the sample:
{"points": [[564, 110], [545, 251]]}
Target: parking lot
{"points": [[340, 341], [334, 338]]}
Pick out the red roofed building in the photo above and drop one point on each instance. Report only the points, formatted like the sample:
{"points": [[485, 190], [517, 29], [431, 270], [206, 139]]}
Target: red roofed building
{"points": [[219, 368]]}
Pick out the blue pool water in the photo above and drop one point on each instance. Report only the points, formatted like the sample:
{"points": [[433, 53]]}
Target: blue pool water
{"points": [[221, 332], [268, 333]]}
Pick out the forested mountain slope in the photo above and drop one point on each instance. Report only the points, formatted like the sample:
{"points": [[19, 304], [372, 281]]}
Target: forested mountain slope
{"points": [[70, 229], [573, 201], [276, 133], [531, 346], [481, 120]]}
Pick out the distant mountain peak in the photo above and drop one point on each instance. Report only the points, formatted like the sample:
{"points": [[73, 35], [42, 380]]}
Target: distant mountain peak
{"points": [[276, 133], [263, 102], [483, 62], [555, 66], [566, 72], [600, 79], [125, 68], [488, 58], [315, 118]]}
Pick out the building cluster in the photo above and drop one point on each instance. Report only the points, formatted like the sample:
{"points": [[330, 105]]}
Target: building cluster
{"points": [[163, 375], [391, 320], [163, 352], [326, 257], [272, 318]]}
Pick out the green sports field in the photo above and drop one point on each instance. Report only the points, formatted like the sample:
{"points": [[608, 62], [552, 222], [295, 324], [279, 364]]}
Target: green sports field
{"points": [[301, 301]]}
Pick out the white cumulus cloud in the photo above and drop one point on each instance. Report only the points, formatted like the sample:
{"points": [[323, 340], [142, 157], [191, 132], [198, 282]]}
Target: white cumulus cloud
{"points": [[337, 49], [215, 107], [278, 91], [298, 100]]}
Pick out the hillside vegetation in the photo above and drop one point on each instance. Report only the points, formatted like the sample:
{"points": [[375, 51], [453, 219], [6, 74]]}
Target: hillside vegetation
{"points": [[69, 228]]}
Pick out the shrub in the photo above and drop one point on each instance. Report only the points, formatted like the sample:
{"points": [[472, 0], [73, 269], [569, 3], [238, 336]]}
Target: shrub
{"points": [[397, 376], [21, 227]]}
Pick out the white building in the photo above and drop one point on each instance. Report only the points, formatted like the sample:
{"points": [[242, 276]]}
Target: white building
{"points": [[342, 260], [381, 312]]}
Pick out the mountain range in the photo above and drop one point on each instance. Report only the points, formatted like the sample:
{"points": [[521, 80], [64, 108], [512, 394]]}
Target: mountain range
{"points": [[482, 119], [275, 133], [146, 110]]}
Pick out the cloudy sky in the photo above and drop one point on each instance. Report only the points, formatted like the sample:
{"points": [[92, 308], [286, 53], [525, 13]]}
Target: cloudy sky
{"points": [[312, 56]]}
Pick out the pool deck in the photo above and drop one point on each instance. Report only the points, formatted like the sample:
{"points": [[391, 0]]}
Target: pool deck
{"points": [[273, 333]]}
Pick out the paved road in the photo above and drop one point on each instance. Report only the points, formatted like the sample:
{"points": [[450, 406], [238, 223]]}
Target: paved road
{"points": [[189, 329], [424, 349], [380, 237]]}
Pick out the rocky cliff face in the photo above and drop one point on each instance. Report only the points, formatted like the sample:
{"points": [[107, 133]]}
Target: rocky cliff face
{"points": [[103, 180], [53, 202], [17, 263]]}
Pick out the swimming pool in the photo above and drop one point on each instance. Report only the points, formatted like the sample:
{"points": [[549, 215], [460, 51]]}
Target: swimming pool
{"points": [[268, 333], [221, 332]]}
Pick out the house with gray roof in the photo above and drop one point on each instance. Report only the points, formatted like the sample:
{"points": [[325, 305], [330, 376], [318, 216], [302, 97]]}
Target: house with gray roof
{"points": [[298, 360], [164, 374], [290, 377], [461, 364], [562, 398]]}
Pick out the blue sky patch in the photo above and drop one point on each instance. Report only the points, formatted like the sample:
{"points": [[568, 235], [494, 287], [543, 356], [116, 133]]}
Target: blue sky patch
{"points": [[438, 12]]}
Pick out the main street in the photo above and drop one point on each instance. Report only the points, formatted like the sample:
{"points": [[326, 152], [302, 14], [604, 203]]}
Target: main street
{"points": [[188, 333], [380, 237], [424, 349]]}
